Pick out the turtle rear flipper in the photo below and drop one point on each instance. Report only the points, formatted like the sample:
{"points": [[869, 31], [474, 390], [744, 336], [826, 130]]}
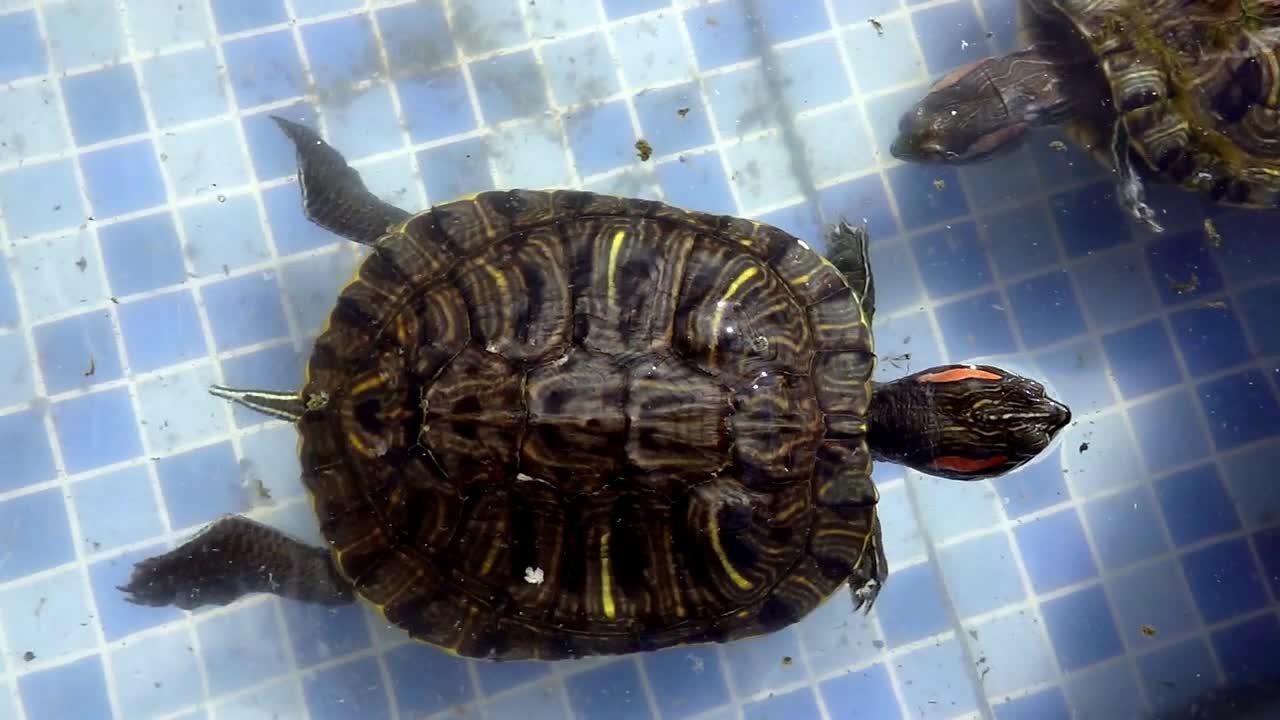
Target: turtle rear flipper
{"points": [[231, 558], [333, 195]]}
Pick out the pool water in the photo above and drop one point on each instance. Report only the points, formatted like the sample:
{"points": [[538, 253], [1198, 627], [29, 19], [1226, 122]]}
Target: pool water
{"points": [[151, 244]]}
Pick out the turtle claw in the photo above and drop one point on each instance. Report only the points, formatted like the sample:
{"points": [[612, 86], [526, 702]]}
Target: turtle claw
{"points": [[161, 582], [864, 597], [1131, 190]]}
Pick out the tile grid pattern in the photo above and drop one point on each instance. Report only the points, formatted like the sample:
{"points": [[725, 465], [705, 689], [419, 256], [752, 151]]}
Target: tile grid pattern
{"points": [[721, 146]]}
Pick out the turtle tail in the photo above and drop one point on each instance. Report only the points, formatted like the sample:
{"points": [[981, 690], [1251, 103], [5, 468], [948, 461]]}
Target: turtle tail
{"points": [[333, 195]]}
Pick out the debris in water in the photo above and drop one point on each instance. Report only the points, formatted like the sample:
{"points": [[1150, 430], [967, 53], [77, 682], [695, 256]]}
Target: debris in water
{"points": [[939, 184], [1084, 447], [82, 263], [877, 25], [534, 576], [786, 661], [1148, 631], [1216, 304], [93, 367], [28, 656], [1058, 146], [1182, 288], [682, 111], [1211, 234], [643, 149]]}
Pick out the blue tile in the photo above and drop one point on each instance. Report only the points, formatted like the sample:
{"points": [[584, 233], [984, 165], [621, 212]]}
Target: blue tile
{"points": [[697, 183], [1046, 309], [341, 52], [224, 235], [234, 16], [1245, 650], [201, 485], [905, 335], [1081, 628], [836, 144], [601, 137], [120, 618], [456, 170], [364, 124], [416, 36], [1089, 219], [497, 677], [104, 104], [1106, 691], [1210, 338], [1048, 704], [86, 32], [509, 87], [920, 202], [868, 48], [737, 101], [156, 675], [436, 105], [1017, 240], [611, 691], [1055, 551], [1072, 164], [1249, 479], [9, 315], [125, 245], [96, 430], [686, 681], [1182, 268], [1011, 653], [245, 310], [1195, 504], [912, 607], [1142, 359], [1241, 409], [812, 75], [1114, 288], [122, 179], [246, 59], [269, 457], [243, 647], [870, 690], [290, 228], [157, 24], [1126, 527], [580, 69], [1224, 580], [185, 86], [40, 198], [976, 326], [863, 200], [45, 540], [949, 508], [796, 704], [59, 274], [616, 9], [1152, 596], [116, 509], [720, 33], [314, 284], [450, 684], [783, 20], [22, 53], [78, 689], [51, 617], [1256, 308], [481, 26], [950, 35], [183, 339], [67, 348], [800, 220], [755, 665], [271, 152], [351, 690], [1268, 545], [1032, 487], [1007, 179], [539, 702], [29, 460], [1168, 431], [664, 126], [17, 384], [1243, 258], [981, 575], [897, 287], [312, 8], [940, 686], [1175, 675], [1077, 372], [204, 160], [27, 112], [952, 260]]}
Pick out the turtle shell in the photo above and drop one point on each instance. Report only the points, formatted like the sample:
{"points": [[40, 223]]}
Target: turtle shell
{"points": [[1195, 82], [546, 425]]}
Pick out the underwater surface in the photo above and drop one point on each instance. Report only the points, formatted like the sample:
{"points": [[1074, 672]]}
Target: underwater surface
{"points": [[152, 243]]}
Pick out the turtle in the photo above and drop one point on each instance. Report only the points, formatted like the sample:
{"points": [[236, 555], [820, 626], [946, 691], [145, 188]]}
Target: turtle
{"points": [[548, 424], [1183, 92]]}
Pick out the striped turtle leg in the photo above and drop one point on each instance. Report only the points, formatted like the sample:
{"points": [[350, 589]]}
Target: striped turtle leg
{"points": [[849, 250], [333, 195], [1131, 191], [231, 558]]}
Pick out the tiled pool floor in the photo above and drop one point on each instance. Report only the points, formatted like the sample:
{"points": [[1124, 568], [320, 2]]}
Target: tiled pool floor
{"points": [[152, 244]]}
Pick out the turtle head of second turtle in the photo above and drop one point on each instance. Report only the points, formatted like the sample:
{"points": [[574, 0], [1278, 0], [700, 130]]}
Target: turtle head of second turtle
{"points": [[983, 109], [964, 422]]}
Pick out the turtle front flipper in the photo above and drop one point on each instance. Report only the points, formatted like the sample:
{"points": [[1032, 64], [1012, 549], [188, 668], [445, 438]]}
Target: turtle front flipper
{"points": [[849, 250], [231, 558], [1132, 192], [333, 195]]}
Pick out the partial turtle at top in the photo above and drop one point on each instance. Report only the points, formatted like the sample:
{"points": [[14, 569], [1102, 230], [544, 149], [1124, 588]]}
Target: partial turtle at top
{"points": [[560, 424], [1182, 91]]}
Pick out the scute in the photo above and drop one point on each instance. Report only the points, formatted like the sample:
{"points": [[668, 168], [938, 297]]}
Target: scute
{"points": [[563, 423]]}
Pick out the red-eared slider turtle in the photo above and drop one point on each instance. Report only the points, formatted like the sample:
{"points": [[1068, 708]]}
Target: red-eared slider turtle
{"points": [[557, 424], [1182, 91]]}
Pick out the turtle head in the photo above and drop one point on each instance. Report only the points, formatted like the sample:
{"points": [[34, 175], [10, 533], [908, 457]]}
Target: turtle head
{"points": [[965, 422], [983, 109]]}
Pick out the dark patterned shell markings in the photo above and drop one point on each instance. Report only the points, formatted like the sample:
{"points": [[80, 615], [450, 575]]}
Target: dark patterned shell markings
{"points": [[560, 424]]}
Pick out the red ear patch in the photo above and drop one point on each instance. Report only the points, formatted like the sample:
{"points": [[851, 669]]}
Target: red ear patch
{"points": [[958, 374], [961, 464]]}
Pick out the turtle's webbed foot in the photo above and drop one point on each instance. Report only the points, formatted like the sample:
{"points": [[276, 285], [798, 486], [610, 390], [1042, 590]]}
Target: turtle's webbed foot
{"points": [[166, 580]]}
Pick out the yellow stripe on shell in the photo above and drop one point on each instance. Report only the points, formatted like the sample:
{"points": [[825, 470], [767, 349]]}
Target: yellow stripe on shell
{"points": [[370, 383], [717, 318], [615, 249], [606, 580], [733, 573]]}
